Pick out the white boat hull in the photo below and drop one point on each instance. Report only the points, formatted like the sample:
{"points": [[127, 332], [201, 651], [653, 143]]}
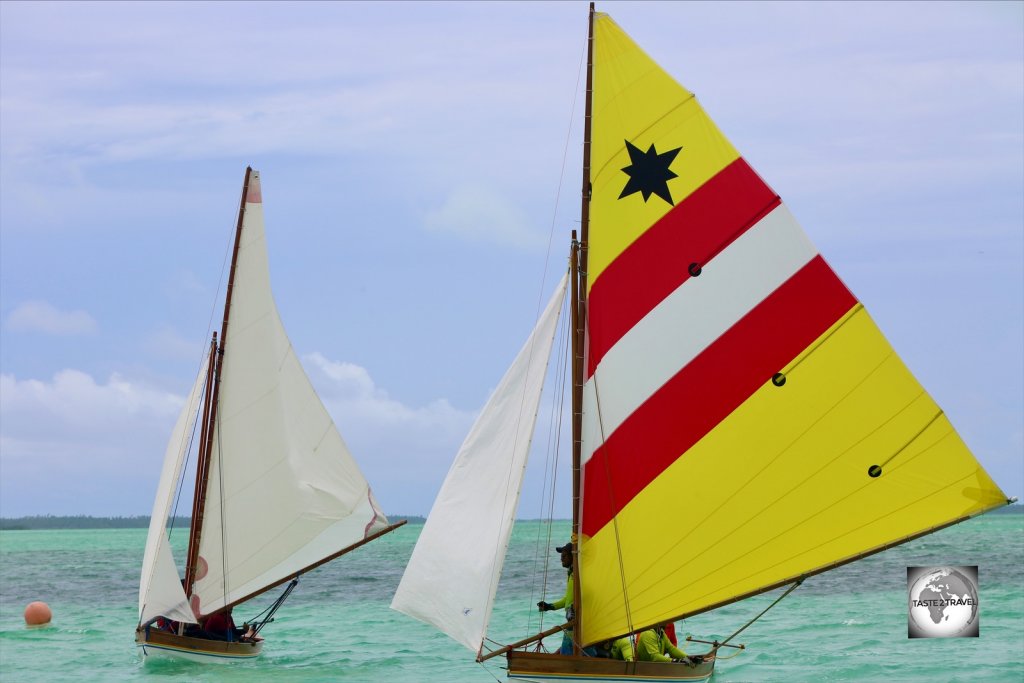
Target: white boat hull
{"points": [[164, 645]]}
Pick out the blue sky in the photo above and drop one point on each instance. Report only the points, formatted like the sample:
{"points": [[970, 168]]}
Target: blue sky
{"points": [[412, 163]]}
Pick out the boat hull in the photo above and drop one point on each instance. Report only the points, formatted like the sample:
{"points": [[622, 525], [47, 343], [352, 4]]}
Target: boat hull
{"points": [[540, 666], [153, 643]]}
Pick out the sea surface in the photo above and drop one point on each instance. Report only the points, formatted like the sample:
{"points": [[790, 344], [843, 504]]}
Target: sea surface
{"points": [[849, 624]]}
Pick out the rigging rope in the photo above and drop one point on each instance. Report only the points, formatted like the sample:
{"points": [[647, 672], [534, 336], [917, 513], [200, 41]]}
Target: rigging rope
{"points": [[563, 356], [181, 477], [615, 518], [220, 485], [553, 456], [270, 611], [744, 627]]}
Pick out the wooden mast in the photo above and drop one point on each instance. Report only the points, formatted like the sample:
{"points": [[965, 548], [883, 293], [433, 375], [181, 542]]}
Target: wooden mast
{"points": [[201, 472], [579, 311], [210, 412]]}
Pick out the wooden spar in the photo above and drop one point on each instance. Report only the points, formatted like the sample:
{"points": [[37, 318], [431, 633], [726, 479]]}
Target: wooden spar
{"points": [[216, 361], [525, 641], [714, 643], [202, 473], [838, 563], [371, 537], [579, 310]]}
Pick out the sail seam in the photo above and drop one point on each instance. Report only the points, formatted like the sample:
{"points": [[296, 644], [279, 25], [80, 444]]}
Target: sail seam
{"points": [[768, 463], [828, 507], [652, 124], [858, 308], [850, 558]]}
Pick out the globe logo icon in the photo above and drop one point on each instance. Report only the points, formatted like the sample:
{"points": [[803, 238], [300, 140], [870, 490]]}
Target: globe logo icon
{"points": [[943, 602]]}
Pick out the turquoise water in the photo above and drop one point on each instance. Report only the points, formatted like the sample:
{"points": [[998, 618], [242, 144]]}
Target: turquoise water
{"points": [[847, 625]]}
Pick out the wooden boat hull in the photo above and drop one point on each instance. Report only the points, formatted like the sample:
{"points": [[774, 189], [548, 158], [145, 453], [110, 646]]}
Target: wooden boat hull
{"points": [[153, 643], [540, 666]]}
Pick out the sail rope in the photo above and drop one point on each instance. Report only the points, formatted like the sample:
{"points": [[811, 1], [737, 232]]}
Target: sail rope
{"points": [[751, 477], [218, 367], [541, 547], [223, 526], [796, 584], [225, 261], [615, 518], [256, 622], [561, 179], [543, 540], [181, 476]]}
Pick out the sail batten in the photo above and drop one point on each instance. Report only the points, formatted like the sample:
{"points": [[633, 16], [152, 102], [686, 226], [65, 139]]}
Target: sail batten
{"points": [[745, 422]]}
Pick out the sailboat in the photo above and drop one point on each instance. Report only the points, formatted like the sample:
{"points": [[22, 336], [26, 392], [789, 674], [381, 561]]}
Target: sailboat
{"points": [[277, 492], [739, 421]]}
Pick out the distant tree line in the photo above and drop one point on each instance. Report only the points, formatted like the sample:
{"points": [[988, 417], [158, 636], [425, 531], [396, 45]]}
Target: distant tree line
{"points": [[84, 522], [80, 522]]}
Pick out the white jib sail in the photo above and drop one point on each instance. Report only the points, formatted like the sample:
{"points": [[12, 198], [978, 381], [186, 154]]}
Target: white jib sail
{"points": [[284, 492], [160, 591], [453, 573]]}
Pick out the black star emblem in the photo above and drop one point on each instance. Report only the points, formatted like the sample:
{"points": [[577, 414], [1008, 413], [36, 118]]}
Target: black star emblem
{"points": [[649, 173]]}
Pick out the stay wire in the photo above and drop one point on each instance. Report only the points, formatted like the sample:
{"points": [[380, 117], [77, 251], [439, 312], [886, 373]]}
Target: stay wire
{"points": [[225, 260], [553, 457], [540, 303]]}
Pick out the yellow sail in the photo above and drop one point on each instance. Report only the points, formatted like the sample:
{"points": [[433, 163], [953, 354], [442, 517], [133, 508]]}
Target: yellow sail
{"points": [[745, 422]]}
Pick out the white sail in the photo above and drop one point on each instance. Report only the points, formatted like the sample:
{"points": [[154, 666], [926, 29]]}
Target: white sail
{"points": [[160, 591], [453, 573], [284, 492]]}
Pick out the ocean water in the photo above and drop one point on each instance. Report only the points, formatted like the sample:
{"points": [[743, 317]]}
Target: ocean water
{"points": [[846, 625]]}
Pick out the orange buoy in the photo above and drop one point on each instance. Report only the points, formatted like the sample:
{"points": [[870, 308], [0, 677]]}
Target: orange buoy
{"points": [[38, 614]]}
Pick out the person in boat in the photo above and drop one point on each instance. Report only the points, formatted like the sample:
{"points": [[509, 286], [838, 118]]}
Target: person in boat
{"points": [[566, 601], [221, 626], [619, 648], [653, 645]]}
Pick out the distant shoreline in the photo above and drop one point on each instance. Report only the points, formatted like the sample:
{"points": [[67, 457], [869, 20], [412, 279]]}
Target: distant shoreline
{"points": [[44, 522]]}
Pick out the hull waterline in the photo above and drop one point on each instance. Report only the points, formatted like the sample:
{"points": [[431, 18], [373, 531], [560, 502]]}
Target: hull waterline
{"points": [[166, 645], [538, 666]]}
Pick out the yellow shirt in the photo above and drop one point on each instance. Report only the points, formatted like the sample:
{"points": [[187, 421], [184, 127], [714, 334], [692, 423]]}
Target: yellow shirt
{"points": [[652, 645]]}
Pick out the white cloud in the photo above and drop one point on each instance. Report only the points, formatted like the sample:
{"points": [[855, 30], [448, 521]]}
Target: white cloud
{"points": [[73, 405], [351, 395], [404, 451], [73, 445], [478, 213], [40, 316], [167, 342]]}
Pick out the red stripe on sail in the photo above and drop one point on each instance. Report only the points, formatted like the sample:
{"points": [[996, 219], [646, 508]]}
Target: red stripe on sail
{"points": [[658, 262], [710, 388]]}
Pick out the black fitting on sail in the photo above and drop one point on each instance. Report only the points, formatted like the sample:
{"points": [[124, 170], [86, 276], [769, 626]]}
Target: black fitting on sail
{"points": [[694, 269], [875, 471], [778, 379]]}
